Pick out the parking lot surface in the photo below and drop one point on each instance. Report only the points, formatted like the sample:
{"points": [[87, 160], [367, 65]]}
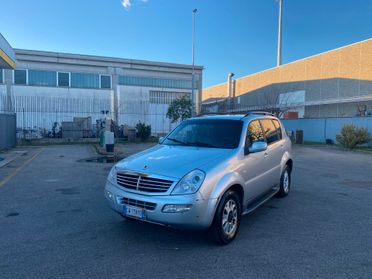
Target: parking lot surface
{"points": [[54, 223]]}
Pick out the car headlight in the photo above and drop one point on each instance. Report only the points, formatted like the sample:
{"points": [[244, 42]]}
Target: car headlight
{"points": [[112, 175], [190, 183]]}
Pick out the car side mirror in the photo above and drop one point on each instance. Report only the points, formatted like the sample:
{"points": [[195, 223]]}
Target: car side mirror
{"points": [[161, 139], [257, 146]]}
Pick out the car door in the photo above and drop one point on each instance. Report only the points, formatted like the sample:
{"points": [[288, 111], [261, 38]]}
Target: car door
{"points": [[274, 153], [254, 166]]}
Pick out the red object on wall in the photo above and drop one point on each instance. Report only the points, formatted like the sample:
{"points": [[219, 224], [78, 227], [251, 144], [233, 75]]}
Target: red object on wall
{"points": [[290, 114]]}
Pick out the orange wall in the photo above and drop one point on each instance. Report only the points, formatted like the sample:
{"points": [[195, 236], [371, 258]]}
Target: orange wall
{"points": [[352, 61]]}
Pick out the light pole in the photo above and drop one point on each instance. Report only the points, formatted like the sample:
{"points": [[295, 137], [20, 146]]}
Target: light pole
{"points": [[193, 99], [279, 55]]}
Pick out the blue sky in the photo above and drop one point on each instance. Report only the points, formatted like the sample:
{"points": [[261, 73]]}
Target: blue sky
{"points": [[231, 35]]}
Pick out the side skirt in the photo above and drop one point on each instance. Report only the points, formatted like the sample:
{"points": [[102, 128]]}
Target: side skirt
{"points": [[261, 200]]}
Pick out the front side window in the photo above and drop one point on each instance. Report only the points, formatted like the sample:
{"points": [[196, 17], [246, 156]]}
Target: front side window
{"points": [[270, 131], [254, 133], [20, 77], [105, 81], [211, 133]]}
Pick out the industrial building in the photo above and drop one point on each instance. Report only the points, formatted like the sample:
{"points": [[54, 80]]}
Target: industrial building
{"points": [[336, 83], [48, 87]]}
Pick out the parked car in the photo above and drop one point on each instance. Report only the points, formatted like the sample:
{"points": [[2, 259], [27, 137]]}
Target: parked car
{"points": [[206, 173]]}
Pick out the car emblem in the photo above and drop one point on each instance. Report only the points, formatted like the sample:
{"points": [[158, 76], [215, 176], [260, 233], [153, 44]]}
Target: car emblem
{"points": [[145, 167]]}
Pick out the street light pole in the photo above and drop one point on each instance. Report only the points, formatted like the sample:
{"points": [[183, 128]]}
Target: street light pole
{"points": [[279, 55], [193, 99]]}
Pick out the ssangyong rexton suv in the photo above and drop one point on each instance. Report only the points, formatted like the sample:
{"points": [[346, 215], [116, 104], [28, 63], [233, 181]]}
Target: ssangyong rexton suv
{"points": [[207, 173]]}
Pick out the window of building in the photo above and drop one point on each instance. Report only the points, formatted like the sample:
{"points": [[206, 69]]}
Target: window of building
{"points": [[42, 78], [20, 77], [270, 131], [1, 76], [105, 81], [63, 79], [165, 97], [155, 82], [82, 80]]}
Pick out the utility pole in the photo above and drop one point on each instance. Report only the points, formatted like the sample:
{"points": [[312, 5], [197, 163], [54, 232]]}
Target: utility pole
{"points": [[279, 55], [193, 98]]}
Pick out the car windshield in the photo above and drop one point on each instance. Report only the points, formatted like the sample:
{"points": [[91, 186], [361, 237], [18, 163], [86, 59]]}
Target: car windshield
{"points": [[211, 133]]}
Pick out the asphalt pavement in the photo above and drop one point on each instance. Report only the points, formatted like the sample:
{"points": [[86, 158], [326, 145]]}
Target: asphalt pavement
{"points": [[54, 223]]}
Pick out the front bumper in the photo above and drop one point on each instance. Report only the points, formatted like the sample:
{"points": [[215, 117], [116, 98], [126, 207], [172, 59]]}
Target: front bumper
{"points": [[200, 215]]}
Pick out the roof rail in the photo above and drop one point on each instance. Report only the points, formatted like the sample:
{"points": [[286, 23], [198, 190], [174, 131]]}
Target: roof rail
{"points": [[259, 113]]}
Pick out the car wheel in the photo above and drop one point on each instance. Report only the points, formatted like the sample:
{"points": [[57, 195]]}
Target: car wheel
{"points": [[227, 218], [285, 182]]}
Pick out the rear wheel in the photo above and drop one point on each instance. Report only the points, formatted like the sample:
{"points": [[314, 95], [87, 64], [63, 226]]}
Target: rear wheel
{"points": [[227, 218], [285, 182]]}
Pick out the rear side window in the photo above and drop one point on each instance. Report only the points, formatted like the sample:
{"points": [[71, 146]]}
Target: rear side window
{"points": [[270, 131], [254, 132], [278, 128]]}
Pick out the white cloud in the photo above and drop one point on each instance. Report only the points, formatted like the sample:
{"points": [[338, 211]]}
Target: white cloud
{"points": [[128, 3]]}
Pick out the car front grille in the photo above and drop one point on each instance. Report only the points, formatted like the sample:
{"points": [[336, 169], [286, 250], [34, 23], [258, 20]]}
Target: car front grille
{"points": [[143, 183], [137, 203]]}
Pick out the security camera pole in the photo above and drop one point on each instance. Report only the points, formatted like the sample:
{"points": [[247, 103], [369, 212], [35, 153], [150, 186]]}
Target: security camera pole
{"points": [[279, 55], [193, 99]]}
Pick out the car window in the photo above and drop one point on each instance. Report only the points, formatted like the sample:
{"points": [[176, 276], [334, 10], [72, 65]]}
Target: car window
{"points": [[254, 132], [278, 128], [213, 133], [271, 133]]}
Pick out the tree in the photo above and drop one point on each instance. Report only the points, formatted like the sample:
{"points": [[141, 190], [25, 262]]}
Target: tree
{"points": [[180, 108]]}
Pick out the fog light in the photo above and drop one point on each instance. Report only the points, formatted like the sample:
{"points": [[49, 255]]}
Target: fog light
{"points": [[176, 208], [109, 195]]}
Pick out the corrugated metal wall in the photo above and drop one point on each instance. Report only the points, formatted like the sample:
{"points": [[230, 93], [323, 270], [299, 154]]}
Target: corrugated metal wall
{"points": [[7, 130], [320, 129]]}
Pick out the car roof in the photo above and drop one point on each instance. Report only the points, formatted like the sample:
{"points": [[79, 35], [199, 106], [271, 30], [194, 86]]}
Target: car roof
{"points": [[242, 117]]}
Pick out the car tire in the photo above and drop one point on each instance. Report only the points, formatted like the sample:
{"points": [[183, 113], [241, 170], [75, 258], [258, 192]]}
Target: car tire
{"points": [[285, 182], [226, 221]]}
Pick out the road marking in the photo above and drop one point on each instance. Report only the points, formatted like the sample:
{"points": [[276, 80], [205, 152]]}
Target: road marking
{"points": [[2, 183]]}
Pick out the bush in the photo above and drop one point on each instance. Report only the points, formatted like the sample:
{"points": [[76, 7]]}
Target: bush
{"points": [[352, 135], [180, 109], [143, 131]]}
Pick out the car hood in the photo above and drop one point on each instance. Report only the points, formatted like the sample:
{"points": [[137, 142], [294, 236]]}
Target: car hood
{"points": [[172, 161]]}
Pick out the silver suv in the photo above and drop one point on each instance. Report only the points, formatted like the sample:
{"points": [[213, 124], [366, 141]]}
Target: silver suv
{"points": [[206, 173]]}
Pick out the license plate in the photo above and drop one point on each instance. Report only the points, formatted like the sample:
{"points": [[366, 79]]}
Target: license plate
{"points": [[132, 211]]}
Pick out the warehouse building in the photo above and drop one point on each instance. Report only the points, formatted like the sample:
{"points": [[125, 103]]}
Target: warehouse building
{"points": [[48, 87], [336, 83]]}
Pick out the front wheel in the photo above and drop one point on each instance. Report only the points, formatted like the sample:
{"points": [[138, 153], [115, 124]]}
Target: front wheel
{"points": [[227, 218], [285, 182]]}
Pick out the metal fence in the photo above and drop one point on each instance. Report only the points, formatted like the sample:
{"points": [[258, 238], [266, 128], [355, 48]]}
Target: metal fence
{"points": [[7, 130], [320, 129]]}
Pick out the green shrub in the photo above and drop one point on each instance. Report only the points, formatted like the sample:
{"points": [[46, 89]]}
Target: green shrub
{"points": [[143, 131], [180, 109], [352, 135]]}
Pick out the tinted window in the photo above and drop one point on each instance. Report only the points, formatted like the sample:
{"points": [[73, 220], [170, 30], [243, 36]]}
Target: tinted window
{"points": [[254, 132], [105, 81], [269, 130], [278, 128], [41, 78], [81, 80], [19, 76], [207, 133], [63, 79]]}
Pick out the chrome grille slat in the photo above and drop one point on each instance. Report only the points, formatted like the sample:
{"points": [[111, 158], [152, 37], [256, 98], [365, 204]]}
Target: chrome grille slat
{"points": [[138, 203], [143, 183]]}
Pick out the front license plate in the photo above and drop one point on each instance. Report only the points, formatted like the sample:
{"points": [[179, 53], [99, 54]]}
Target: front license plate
{"points": [[132, 211]]}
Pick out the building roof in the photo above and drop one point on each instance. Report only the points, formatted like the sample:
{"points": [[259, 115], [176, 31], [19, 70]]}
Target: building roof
{"points": [[7, 56]]}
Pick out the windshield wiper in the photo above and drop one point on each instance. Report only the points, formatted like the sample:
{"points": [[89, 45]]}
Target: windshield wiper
{"points": [[176, 140], [201, 144]]}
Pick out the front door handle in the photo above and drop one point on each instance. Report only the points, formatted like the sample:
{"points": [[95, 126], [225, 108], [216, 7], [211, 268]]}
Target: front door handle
{"points": [[266, 154]]}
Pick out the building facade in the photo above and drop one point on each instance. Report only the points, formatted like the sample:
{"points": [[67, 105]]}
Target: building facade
{"points": [[336, 83], [48, 87]]}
